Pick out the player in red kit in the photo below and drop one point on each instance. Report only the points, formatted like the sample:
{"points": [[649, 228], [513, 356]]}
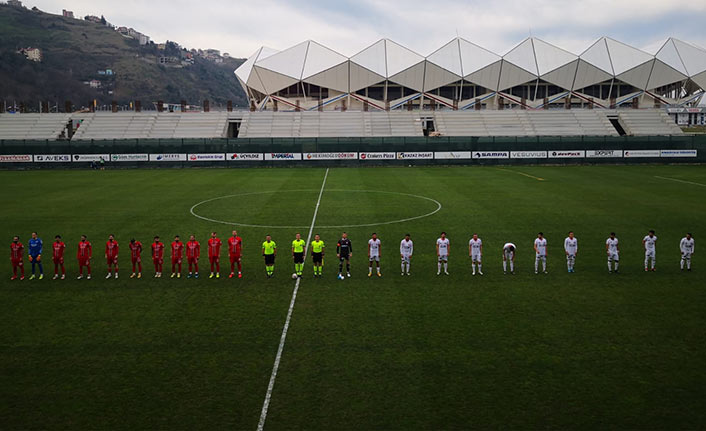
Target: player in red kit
{"points": [[193, 251], [17, 258], [214, 254], [177, 256], [235, 246], [84, 254], [136, 257], [111, 255], [157, 256], [58, 257]]}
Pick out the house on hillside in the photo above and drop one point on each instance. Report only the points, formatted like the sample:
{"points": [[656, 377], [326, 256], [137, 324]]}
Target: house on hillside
{"points": [[144, 39], [15, 3], [67, 13], [94, 83], [32, 54]]}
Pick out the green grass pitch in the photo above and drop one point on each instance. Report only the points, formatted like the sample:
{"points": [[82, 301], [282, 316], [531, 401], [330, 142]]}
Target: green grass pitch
{"points": [[585, 350]]}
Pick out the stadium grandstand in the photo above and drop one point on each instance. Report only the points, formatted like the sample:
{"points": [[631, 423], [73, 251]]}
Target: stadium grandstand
{"points": [[461, 89]]}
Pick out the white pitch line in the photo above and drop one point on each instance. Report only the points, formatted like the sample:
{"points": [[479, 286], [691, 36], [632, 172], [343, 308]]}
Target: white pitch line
{"points": [[521, 173], [283, 338], [680, 181]]}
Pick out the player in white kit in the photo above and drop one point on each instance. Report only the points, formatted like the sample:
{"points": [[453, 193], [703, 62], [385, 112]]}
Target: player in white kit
{"points": [[442, 253], [540, 248], [509, 256], [613, 251], [686, 245], [374, 249], [650, 244], [571, 247], [406, 251], [475, 252]]}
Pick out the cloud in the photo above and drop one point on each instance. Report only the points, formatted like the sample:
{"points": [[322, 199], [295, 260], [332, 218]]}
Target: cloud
{"points": [[240, 27]]}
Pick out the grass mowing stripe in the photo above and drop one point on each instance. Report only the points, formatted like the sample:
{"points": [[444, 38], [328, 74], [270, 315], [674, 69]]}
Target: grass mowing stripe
{"points": [[680, 181], [283, 338]]}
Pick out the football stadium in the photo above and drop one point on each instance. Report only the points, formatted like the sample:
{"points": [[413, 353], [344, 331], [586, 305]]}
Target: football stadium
{"points": [[578, 304]]}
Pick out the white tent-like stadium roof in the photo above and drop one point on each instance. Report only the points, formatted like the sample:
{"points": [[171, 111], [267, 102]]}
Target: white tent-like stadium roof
{"points": [[269, 71]]}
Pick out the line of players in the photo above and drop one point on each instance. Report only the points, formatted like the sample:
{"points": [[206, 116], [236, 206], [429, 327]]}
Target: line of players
{"points": [[344, 253]]}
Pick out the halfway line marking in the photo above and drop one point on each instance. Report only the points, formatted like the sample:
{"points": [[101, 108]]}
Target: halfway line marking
{"points": [[521, 173], [283, 338], [680, 181]]}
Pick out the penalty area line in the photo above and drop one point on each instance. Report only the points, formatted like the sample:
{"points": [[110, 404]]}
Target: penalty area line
{"points": [[283, 337], [680, 181], [521, 173]]}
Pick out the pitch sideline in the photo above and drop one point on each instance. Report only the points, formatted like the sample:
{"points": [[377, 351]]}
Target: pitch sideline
{"points": [[283, 338]]}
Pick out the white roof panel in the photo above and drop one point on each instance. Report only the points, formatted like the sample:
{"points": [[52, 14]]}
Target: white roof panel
{"points": [[669, 55], [663, 74], [523, 56], [475, 58], [638, 76], [625, 57], [243, 72], [373, 58], [550, 57], [511, 76], [448, 57], [400, 58], [694, 58], [319, 58], [289, 62], [562, 76], [597, 55]]}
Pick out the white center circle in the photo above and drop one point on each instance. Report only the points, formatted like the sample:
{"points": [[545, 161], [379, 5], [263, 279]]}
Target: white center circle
{"points": [[234, 223]]}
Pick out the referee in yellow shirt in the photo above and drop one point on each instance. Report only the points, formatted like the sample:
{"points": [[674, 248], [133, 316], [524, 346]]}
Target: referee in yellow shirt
{"points": [[298, 254], [269, 251], [317, 255]]}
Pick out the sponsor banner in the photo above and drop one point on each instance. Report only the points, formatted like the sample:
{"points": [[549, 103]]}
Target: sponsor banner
{"points": [[283, 156], [567, 154], [167, 157], [528, 154], [52, 158], [677, 153], [491, 154], [330, 156], [641, 153], [417, 155], [207, 157], [443, 155], [89, 157], [244, 157], [604, 153], [15, 158], [377, 156], [129, 157]]}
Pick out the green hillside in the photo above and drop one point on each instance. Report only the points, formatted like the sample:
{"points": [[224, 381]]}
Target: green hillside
{"points": [[74, 50]]}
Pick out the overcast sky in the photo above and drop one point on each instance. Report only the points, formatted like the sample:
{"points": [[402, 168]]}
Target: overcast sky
{"points": [[347, 26]]}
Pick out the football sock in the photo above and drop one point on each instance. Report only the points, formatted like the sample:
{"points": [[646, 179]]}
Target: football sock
{"points": [[446, 266], [479, 268], [504, 266], [348, 267], [544, 265], [536, 265], [512, 266], [681, 264], [438, 267]]}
